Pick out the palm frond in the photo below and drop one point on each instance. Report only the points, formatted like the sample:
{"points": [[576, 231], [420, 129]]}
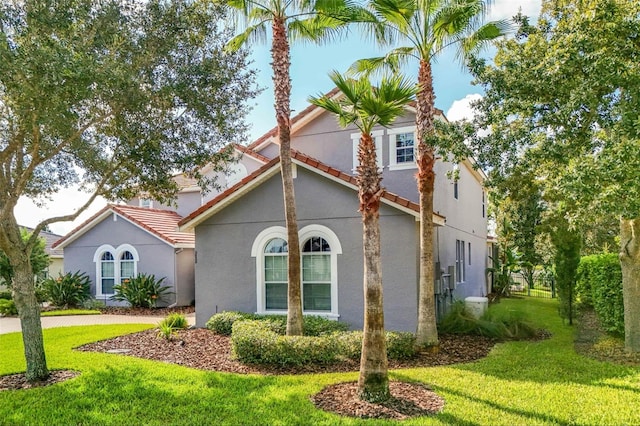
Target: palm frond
{"points": [[319, 29], [392, 62], [254, 32], [475, 42]]}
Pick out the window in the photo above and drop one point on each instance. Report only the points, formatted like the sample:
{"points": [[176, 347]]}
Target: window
{"points": [[402, 143], [355, 140], [469, 253], [113, 266], [275, 274], [316, 275], [236, 172], [460, 261], [455, 189], [107, 273], [146, 203], [319, 249]]}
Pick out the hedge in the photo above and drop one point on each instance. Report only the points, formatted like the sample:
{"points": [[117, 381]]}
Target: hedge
{"points": [[256, 342], [222, 323], [600, 284]]}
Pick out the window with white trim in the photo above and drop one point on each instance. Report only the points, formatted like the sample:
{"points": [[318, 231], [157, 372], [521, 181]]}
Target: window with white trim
{"points": [[460, 261], [402, 148], [316, 275], [113, 266], [235, 173], [146, 203], [107, 273], [319, 249], [355, 140]]}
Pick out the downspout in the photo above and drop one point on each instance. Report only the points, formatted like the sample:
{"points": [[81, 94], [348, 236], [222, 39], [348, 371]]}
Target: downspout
{"points": [[175, 276]]}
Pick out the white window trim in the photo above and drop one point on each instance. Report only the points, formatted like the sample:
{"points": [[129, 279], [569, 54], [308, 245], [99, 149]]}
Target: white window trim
{"points": [[140, 203], [393, 165], [307, 232], [116, 253], [355, 140], [236, 172]]}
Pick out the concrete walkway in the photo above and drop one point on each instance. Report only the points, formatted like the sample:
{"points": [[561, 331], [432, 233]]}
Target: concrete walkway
{"points": [[12, 324]]}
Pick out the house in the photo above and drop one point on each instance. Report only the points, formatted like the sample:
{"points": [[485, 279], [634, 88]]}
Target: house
{"points": [[240, 238], [56, 256], [121, 241]]}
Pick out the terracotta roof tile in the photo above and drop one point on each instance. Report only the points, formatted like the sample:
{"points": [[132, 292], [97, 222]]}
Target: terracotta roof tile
{"points": [[161, 223]]}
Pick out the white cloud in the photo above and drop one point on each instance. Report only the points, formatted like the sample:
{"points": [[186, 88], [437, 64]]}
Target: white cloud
{"points": [[506, 9], [65, 202], [461, 108]]}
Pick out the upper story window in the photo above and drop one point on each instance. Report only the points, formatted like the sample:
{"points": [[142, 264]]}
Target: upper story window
{"points": [[236, 172], [402, 148], [355, 140], [460, 261], [146, 203], [484, 207]]}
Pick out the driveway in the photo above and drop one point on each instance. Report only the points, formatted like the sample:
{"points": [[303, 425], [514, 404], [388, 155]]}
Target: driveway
{"points": [[12, 324]]}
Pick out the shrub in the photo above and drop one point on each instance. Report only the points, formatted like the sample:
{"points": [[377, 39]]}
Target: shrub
{"points": [[256, 342], [143, 291], [6, 295], [222, 323], [68, 290], [500, 325], [93, 304], [8, 308], [168, 326], [601, 279]]}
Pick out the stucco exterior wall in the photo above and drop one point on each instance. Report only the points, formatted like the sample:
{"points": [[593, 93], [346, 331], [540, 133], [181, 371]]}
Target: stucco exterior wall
{"points": [[155, 256], [226, 271], [185, 272]]}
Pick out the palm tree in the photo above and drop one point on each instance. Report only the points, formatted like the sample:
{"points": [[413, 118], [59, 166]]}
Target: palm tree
{"points": [[365, 107], [296, 19], [428, 27]]}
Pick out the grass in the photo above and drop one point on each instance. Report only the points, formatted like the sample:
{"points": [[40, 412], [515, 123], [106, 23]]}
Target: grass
{"points": [[63, 312], [518, 383]]}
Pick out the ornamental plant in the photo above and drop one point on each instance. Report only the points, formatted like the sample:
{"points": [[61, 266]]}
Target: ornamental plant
{"points": [[168, 327], [68, 290], [143, 291]]}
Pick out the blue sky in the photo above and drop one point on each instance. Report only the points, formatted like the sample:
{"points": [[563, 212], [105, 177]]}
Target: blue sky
{"points": [[310, 66]]}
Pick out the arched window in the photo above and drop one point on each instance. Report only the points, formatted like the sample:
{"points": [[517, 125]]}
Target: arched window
{"points": [[319, 247], [127, 266], [316, 275], [275, 274], [107, 273], [113, 266]]}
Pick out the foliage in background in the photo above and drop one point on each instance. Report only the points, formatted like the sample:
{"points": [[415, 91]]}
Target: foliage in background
{"points": [[567, 243], [565, 93], [499, 324], [600, 283], [222, 323], [505, 263], [39, 260], [143, 291], [8, 307], [70, 290]]}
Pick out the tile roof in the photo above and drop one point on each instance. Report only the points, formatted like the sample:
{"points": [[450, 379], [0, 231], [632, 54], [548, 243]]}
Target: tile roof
{"points": [[50, 238], [161, 223], [391, 198]]}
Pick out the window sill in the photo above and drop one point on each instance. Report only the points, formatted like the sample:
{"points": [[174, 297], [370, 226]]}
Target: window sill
{"points": [[401, 166], [327, 315]]}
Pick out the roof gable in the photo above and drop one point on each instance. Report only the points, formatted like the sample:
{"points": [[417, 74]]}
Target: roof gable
{"points": [[162, 224], [253, 180]]}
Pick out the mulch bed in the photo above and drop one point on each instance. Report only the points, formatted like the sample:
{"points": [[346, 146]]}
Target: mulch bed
{"points": [[19, 381]]}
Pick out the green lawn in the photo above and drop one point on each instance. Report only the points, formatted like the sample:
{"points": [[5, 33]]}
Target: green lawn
{"points": [[65, 312], [520, 383]]}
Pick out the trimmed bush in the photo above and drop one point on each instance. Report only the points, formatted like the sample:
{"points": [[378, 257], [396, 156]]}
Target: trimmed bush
{"points": [[256, 342], [143, 291], [222, 323], [6, 295], [601, 279], [8, 308], [69, 290]]}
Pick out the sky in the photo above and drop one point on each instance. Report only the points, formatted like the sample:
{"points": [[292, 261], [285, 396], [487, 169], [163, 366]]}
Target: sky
{"points": [[310, 66]]}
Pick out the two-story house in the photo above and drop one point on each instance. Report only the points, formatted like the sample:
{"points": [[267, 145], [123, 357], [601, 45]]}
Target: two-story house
{"points": [[240, 239]]}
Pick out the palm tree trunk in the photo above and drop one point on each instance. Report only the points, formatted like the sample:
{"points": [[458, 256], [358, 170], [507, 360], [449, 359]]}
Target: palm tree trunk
{"points": [[24, 296], [282, 91], [373, 384], [426, 333], [630, 262]]}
